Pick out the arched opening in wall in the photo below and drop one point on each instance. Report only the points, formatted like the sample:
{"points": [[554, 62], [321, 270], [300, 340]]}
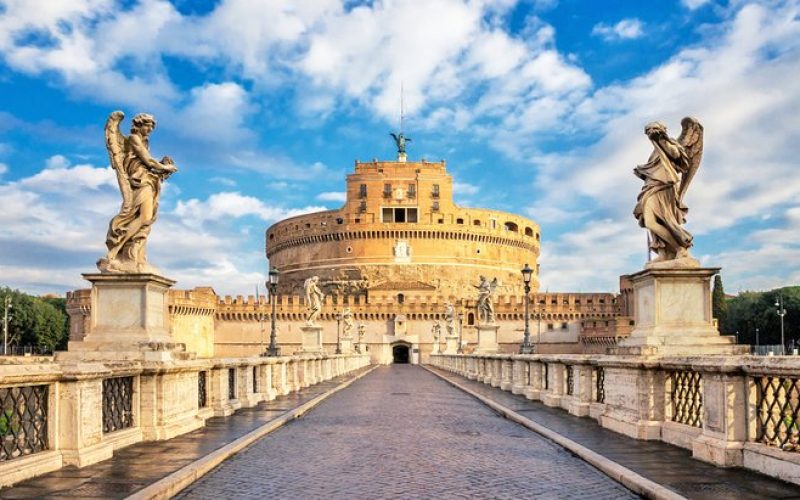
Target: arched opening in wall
{"points": [[528, 231], [400, 298], [470, 319], [510, 226], [400, 354]]}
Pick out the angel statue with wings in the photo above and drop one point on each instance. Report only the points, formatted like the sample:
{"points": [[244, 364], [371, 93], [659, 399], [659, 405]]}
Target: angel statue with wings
{"points": [[667, 175], [314, 297], [400, 140], [485, 307], [139, 176]]}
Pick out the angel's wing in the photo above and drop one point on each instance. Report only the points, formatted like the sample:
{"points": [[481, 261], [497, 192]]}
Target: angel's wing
{"points": [[394, 136], [691, 139], [115, 144]]}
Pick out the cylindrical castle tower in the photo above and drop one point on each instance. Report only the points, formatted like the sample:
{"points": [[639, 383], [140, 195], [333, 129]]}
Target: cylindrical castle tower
{"points": [[399, 230]]}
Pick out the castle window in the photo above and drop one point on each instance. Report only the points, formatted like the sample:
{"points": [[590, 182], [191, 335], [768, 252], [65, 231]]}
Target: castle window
{"points": [[471, 319], [528, 231], [362, 191], [399, 215], [339, 220], [435, 191], [400, 298], [435, 207], [387, 190], [441, 221], [510, 226], [476, 222], [494, 223], [363, 206], [460, 221], [412, 191]]}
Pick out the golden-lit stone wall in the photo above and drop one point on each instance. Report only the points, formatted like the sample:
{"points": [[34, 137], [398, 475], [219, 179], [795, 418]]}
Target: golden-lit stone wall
{"points": [[435, 243]]}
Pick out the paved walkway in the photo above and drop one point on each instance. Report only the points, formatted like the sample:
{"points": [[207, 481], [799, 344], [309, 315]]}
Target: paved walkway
{"points": [[401, 432], [139, 465], [662, 463]]}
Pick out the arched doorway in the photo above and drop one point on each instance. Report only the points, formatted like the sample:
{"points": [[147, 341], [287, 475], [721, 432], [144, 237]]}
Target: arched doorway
{"points": [[400, 354]]}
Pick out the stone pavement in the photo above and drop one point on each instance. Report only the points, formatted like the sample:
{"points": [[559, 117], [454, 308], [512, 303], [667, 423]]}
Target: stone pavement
{"points": [[139, 465], [401, 432], [665, 464]]}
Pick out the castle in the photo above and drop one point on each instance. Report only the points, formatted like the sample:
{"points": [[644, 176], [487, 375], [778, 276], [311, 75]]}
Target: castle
{"points": [[395, 253]]}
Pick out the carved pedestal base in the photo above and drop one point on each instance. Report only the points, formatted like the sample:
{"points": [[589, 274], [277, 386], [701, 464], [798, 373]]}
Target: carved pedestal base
{"points": [[347, 345], [673, 315], [487, 339], [312, 339], [451, 346]]}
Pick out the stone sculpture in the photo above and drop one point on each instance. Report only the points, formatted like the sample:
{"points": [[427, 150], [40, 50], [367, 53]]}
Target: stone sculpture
{"points": [[450, 318], [314, 298], [139, 176], [485, 307], [667, 175], [436, 329], [347, 319], [362, 330]]}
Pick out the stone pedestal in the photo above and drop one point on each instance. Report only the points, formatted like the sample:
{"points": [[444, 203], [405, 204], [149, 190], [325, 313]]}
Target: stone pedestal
{"points": [[672, 312], [312, 339], [451, 345], [435, 349], [487, 339], [129, 320], [347, 345]]}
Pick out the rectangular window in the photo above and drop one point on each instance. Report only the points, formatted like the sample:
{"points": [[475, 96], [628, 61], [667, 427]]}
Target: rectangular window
{"points": [[387, 190], [435, 206], [399, 214], [412, 190], [388, 215], [435, 192], [362, 191], [411, 215]]}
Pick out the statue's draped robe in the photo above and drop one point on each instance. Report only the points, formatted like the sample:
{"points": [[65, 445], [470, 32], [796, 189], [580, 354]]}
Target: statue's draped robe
{"points": [[145, 185], [659, 195]]}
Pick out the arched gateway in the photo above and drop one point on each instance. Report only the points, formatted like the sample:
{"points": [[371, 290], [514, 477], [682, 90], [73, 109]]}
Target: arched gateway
{"points": [[401, 353]]}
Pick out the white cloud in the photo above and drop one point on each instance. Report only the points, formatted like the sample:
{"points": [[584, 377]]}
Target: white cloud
{"points": [[694, 4], [464, 189], [3, 168], [231, 205], [626, 29], [57, 162], [216, 112], [333, 196], [225, 181]]}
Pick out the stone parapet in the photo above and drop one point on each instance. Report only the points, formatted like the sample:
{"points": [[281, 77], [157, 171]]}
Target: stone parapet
{"points": [[727, 410]]}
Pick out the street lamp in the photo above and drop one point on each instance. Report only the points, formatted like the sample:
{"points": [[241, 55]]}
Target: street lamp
{"points": [[526, 347], [780, 311], [338, 341], [6, 317], [460, 334], [273, 290]]}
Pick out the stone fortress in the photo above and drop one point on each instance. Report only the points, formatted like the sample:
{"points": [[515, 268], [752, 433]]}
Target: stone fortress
{"points": [[395, 254]]}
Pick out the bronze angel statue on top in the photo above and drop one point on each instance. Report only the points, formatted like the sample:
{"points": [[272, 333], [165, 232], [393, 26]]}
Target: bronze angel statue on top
{"points": [[667, 175], [139, 176]]}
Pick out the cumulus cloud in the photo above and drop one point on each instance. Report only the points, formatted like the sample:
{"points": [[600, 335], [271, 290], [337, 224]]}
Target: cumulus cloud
{"points": [[465, 189], [57, 162], [339, 196], [694, 4], [626, 29], [232, 205]]}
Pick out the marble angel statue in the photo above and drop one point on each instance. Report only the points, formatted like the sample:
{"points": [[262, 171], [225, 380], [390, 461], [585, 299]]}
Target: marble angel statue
{"points": [[139, 176], [667, 175], [485, 307], [314, 297]]}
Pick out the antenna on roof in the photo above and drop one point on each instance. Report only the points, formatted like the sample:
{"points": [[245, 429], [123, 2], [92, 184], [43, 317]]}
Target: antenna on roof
{"points": [[401, 106], [400, 139]]}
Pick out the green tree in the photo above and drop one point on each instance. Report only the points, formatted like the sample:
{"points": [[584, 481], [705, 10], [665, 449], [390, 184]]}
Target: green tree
{"points": [[35, 321], [750, 310], [719, 305]]}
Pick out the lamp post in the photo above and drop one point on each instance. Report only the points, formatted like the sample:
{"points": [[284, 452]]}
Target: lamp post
{"points": [[7, 305], [526, 347], [780, 311], [338, 341], [757, 342], [273, 349], [460, 334]]}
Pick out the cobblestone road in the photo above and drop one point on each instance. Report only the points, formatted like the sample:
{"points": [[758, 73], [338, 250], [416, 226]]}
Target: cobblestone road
{"points": [[400, 432]]}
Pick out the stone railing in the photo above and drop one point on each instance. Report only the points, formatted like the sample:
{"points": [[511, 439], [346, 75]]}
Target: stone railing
{"points": [[728, 410], [54, 414]]}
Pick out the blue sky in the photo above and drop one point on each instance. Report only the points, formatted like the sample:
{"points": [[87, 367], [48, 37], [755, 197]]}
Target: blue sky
{"points": [[537, 106]]}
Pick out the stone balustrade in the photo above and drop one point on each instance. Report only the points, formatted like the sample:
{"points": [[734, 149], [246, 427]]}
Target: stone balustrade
{"points": [[728, 410], [54, 414]]}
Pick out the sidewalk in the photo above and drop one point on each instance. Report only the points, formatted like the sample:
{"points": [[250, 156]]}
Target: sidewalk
{"points": [[141, 465], [667, 465]]}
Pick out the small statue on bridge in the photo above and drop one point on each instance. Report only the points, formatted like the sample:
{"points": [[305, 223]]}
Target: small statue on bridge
{"points": [[314, 297], [666, 175], [450, 318], [347, 318], [485, 307], [436, 329]]}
